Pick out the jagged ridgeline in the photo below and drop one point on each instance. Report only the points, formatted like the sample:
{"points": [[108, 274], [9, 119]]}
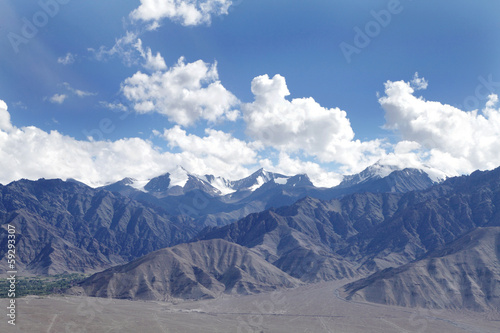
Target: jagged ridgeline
{"points": [[157, 253], [315, 240], [69, 227]]}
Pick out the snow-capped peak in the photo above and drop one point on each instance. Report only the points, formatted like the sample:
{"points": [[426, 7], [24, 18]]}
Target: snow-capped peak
{"points": [[178, 177], [223, 185], [257, 179], [380, 170], [375, 171], [436, 175], [215, 185]]}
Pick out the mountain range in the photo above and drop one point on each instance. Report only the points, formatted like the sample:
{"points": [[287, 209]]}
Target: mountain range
{"points": [[397, 237], [385, 231], [215, 201], [70, 227]]}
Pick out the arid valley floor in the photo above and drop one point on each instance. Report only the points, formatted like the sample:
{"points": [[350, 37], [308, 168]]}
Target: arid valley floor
{"points": [[309, 309]]}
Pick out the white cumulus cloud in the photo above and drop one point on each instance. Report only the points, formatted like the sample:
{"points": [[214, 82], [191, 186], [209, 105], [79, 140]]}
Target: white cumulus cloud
{"points": [[184, 93], [5, 123], [32, 153], [456, 141], [218, 149], [187, 12], [218, 144], [304, 125]]}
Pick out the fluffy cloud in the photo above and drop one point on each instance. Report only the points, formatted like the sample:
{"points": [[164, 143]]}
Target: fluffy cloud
{"points": [[434, 136], [218, 149], [217, 144], [5, 124], [298, 124], [184, 93], [294, 166], [303, 125], [32, 153], [456, 141], [187, 12]]}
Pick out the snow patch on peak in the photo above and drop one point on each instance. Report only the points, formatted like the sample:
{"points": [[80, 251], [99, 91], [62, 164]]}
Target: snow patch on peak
{"points": [[380, 170], [178, 177], [375, 171], [139, 184], [281, 180], [221, 184], [264, 175], [259, 181], [437, 176]]}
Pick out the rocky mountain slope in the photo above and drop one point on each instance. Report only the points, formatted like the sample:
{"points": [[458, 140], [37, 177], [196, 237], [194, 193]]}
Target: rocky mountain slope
{"points": [[305, 239], [70, 227], [204, 269], [314, 240], [387, 180], [374, 230], [465, 274]]}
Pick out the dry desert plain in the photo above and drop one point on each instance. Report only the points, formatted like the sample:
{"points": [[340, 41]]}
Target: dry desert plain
{"points": [[309, 309]]}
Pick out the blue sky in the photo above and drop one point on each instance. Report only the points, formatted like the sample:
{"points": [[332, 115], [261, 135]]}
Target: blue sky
{"points": [[85, 100]]}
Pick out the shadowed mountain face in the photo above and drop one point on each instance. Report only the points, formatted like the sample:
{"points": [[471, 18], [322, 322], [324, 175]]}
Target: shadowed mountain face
{"points": [[464, 274], [429, 219], [314, 240], [374, 231], [69, 227], [204, 269], [306, 239], [66, 226]]}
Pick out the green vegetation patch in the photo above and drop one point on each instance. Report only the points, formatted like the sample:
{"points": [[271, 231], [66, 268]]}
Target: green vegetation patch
{"points": [[41, 285]]}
